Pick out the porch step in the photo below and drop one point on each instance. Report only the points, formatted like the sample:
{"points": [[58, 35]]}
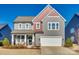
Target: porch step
{"points": [[29, 46]]}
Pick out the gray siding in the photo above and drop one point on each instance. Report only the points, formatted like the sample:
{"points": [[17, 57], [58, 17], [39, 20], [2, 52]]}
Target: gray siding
{"points": [[37, 38], [59, 32]]}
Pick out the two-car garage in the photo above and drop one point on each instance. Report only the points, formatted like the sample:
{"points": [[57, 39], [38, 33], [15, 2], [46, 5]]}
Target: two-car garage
{"points": [[51, 40]]}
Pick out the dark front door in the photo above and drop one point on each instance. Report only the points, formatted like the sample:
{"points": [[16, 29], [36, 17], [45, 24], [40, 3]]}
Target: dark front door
{"points": [[29, 39]]}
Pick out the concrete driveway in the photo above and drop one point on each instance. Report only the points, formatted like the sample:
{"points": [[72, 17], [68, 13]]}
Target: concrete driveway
{"points": [[43, 51], [57, 51]]}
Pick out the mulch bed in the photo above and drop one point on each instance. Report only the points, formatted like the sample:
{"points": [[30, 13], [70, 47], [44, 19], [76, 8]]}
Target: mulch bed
{"points": [[14, 47]]}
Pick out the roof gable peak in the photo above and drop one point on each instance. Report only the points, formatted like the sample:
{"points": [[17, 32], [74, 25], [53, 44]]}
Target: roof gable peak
{"points": [[47, 6]]}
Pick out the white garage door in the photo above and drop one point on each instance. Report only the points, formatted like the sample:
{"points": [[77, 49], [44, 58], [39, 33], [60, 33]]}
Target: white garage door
{"points": [[51, 41]]}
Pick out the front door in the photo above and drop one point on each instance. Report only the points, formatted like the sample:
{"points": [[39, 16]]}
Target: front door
{"points": [[29, 40]]}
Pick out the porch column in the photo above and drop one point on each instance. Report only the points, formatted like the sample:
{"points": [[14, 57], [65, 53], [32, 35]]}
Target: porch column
{"points": [[25, 39], [33, 39], [12, 41], [16, 42]]}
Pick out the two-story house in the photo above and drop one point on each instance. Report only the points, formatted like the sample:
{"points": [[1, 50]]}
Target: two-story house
{"points": [[46, 29], [72, 29]]}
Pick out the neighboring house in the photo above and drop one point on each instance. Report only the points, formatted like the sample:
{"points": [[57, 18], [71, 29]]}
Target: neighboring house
{"points": [[5, 32], [72, 29], [46, 29]]}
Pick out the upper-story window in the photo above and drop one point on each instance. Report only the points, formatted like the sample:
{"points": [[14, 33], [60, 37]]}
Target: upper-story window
{"points": [[38, 25], [53, 25], [22, 26], [16, 26], [27, 26], [72, 30]]}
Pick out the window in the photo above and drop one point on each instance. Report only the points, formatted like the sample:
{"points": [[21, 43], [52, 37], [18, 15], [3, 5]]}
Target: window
{"points": [[57, 25], [22, 38], [18, 38], [49, 26], [19, 26], [38, 25], [23, 26], [53, 25], [72, 30], [15, 26], [28, 26]]}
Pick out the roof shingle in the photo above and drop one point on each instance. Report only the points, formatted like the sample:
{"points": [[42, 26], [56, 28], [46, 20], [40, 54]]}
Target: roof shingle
{"points": [[24, 19]]}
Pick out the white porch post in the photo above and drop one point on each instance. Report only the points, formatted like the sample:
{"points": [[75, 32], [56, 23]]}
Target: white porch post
{"points": [[33, 39], [25, 39], [12, 41], [16, 40]]}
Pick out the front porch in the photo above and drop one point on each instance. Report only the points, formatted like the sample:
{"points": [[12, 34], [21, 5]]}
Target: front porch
{"points": [[23, 39]]}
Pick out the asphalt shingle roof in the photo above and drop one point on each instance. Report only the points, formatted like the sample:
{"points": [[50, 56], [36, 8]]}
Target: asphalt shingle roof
{"points": [[24, 19]]}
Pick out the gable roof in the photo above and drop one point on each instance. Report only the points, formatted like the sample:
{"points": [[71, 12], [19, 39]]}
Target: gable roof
{"points": [[47, 10], [74, 19], [24, 19], [2, 26]]}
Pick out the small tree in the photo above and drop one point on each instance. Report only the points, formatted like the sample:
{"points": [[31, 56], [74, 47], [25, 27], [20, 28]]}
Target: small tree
{"points": [[1, 44], [6, 42], [68, 42]]}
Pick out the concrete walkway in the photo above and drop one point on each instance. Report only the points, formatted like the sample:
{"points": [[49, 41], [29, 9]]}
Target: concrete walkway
{"points": [[57, 51], [19, 51]]}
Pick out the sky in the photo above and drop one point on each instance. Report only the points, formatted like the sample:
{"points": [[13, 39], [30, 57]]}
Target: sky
{"points": [[9, 12]]}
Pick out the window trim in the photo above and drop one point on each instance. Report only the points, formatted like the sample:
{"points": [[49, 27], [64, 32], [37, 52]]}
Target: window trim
{"points": [[29, 26], [37, 24], [16, 26], [22, 26], [51, 26], [72, 30], [19, 26]]}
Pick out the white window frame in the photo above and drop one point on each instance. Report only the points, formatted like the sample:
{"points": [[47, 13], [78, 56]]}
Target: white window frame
{"points": [[37, 27], [16, 26], [20, 40], [23, 26], [29, 26], [51, 26], [19, 28], [58, 25]]}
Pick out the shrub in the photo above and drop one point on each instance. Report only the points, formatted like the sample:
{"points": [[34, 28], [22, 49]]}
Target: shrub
{"points": [[1, 44], [18, 46], [6, 42], [68, 42]]}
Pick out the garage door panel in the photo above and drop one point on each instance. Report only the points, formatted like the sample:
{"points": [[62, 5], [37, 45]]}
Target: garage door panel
{"points": [[51, 41]]}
